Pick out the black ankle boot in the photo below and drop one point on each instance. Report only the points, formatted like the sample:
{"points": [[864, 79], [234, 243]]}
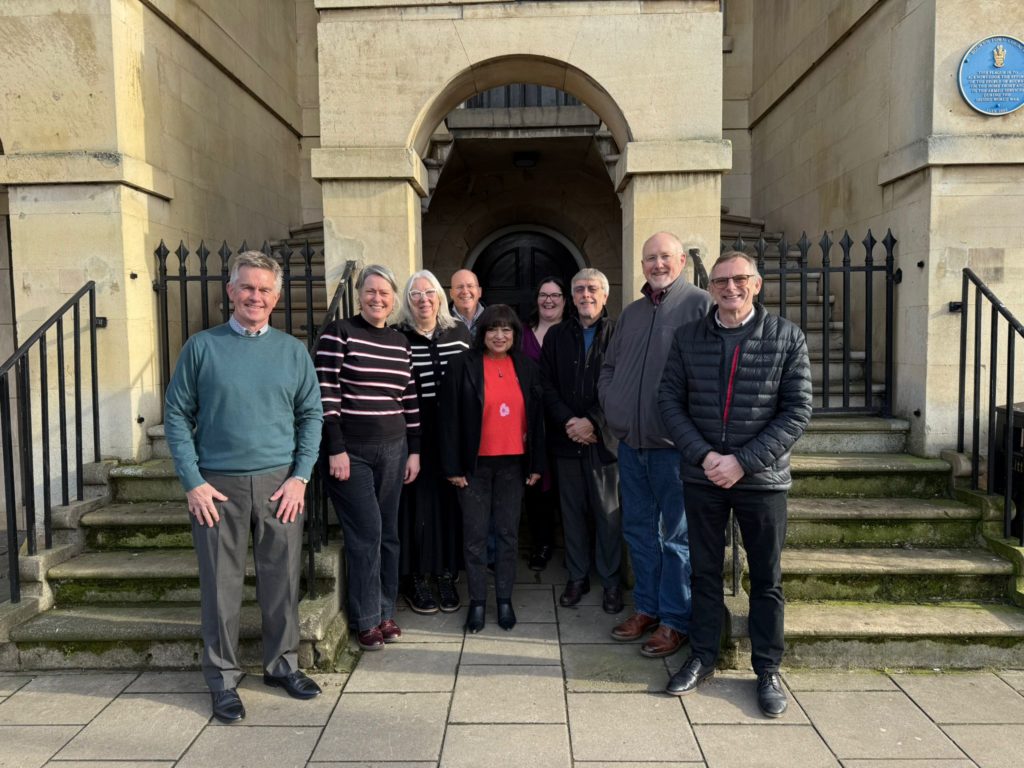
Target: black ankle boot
{"points": [[506, 616], [475, 618]]}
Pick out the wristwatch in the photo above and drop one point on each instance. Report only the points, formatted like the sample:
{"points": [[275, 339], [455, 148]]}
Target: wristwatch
{"points": [[303, 480]]}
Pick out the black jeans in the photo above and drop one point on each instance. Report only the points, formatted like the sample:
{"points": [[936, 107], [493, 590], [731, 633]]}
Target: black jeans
{"points": [[367, 507], [761, 516], [590, 501], [494, 492]]}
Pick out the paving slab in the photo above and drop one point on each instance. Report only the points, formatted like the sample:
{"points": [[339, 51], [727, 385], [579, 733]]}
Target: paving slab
{"points": [[508, 746], [392, 727], [153, 726], [754, 746], [611, 668], [29, 746], [964, 763], [428, 764], [990, 746], [596, 595], [587, 624], [964, 697], [629, 726], [731, 698], [508, 694], [555, 574], [438, 627], [410, 668], [9, 685], [169, 682], [644, 764], [62, 699], [875, 724], [110, 764], [839, 680], [245, 747], [529, 644], [532, 605], [1013, 678], [272, 706]]}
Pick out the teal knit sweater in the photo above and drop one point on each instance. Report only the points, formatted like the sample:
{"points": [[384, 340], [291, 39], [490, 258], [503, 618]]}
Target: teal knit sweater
{"points": [[240, 405]]}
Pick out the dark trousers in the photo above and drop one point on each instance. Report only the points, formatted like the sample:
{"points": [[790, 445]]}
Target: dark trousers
{"points": [[761, 516], [222, 551], [494, 493], [367, 507], [541, 510], [590, 501]]}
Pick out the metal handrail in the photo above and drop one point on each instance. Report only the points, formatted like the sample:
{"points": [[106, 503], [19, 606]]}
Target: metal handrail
{"points": [[20, 364], [1014, 329]]}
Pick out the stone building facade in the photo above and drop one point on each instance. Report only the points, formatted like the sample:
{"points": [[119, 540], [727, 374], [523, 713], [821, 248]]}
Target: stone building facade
{"points": [[131, 121]]}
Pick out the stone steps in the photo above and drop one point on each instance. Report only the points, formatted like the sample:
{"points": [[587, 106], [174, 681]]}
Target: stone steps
{"points": [[142, 525], [883, 522], [869, 475], [155, 576], [895, 575], [149, 481], [956, 635], [162, 636], [853, 434]]}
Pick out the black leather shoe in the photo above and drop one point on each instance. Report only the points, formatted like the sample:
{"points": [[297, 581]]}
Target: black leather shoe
{"points": [[690, 675], [227, 706], [612, 602], [771, 697], [419, 597], [539, 559], [506, 615], [296, 684], [574, 592], [475, 617]]}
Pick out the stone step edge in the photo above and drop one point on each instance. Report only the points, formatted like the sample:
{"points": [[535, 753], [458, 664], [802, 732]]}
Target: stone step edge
{"points": [[894, 562], [903, 620], [182, 561], [857, 424], [841, 510], [863, 463]]}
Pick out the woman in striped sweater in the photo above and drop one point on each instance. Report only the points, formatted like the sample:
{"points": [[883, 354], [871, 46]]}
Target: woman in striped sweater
{"points": [[430, 524], [371, 442]]}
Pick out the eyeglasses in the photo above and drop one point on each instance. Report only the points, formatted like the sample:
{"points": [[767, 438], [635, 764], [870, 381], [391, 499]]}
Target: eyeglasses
{"points": [[738, 280], [465, 287], [581, 289], [546, 296], [430, 293]]}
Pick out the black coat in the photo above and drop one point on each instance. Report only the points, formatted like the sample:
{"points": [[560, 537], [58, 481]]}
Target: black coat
{"points": [[570, 385], [462, 409], [771, 403]]}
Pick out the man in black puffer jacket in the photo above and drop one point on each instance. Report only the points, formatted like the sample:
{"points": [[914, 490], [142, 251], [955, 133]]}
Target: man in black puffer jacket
{"points": [[735, 397]]}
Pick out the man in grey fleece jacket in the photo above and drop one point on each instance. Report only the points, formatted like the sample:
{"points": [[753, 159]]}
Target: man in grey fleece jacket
{"points": [[653, 522]]}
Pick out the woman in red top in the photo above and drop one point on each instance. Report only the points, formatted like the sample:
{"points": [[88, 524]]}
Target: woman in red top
{"points": [[492, 447]]}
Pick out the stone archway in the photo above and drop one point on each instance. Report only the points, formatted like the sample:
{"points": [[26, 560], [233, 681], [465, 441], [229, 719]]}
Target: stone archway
{"points": [[389, 75]]}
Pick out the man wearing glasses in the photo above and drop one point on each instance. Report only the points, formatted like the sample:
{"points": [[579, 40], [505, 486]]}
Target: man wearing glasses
{"points": [[735, 397], [653, 522]]}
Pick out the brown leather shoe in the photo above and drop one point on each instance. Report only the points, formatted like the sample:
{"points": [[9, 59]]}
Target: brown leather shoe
{"points": [[664, 642], [635, 627]]}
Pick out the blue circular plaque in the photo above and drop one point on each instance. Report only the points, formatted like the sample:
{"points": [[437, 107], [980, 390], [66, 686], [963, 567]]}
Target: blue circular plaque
{"points": [[992, 75]]}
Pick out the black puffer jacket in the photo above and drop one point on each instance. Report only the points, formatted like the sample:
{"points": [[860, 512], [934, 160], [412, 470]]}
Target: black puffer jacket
{"points": [[771, 401]]}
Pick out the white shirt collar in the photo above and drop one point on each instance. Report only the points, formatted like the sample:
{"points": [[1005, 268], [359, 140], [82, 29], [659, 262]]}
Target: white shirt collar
{"points": [[744, 321], [241, 331]]}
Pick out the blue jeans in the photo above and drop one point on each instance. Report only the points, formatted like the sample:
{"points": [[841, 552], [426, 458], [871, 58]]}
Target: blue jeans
{"points": [[654, 526]]}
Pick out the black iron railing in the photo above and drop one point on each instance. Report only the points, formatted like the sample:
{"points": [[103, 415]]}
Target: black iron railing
{"points": [[798, 268], [302, 277], [1009, 453], [30, 379]]}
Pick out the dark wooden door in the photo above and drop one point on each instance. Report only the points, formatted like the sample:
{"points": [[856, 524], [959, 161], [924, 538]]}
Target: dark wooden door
{"points": [[510, 268]]}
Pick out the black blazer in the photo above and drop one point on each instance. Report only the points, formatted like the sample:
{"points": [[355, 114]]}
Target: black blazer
{"points": [[462, 409]]}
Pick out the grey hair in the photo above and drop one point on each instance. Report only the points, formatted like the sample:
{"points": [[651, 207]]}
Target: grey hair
{"points": [[255, 260], [589, 273], [731, 255], [380, 271], [406, 314]]}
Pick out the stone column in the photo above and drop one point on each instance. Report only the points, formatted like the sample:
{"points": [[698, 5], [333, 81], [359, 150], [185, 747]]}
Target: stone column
{"points": [[673, 186], [371, 208]]}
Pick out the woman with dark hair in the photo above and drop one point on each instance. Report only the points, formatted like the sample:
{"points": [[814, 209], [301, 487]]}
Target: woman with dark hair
{"points": [[549, 309], [492, 446], [371, 441], [430, 523]]}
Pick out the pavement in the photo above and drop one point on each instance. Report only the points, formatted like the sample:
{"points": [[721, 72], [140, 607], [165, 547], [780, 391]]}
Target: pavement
{"points": [[556, 691]]}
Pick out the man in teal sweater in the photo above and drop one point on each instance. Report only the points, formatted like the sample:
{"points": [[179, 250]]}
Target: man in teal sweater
{"points": [[243, 419]]}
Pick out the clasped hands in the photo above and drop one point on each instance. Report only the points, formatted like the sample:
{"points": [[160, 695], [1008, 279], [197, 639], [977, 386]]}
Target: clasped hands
{"points": [[580, 430], [724, 471]]}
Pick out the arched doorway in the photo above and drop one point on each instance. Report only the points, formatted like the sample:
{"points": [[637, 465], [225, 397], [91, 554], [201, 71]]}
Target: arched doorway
{"points": [[510, 267]]}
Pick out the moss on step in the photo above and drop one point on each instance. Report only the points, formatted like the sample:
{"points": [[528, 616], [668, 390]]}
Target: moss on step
{"points": [[884, 533], [895, 588]]}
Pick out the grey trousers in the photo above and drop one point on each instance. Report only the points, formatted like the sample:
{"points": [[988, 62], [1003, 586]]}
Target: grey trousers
{"points": [[589, 499], [222, 551]]}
